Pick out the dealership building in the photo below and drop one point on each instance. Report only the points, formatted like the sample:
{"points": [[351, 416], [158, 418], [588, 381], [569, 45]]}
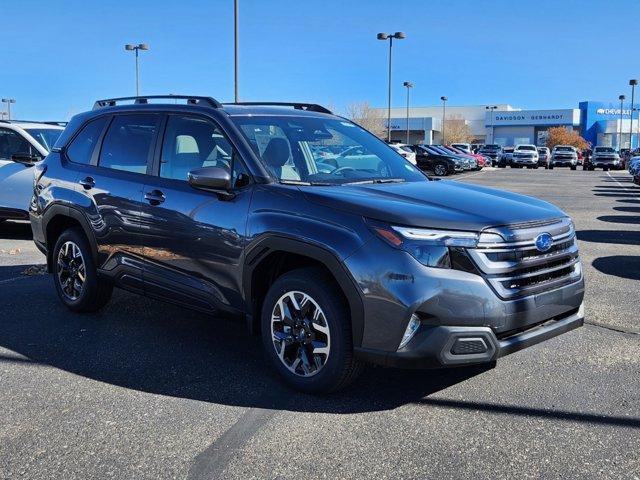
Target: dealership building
{"points": [[600, 123]]}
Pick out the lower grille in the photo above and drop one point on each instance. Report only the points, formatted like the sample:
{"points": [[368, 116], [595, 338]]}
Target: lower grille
{"points": [[518, 268]]}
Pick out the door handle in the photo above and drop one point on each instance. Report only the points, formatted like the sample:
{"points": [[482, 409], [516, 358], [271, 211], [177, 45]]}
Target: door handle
{"points": [[154, 197], [87, 183]]}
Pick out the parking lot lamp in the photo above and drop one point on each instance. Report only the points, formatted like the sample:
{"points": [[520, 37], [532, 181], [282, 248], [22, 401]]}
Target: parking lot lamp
{"points": [[491, 108], [444, 113], [621, 98], [8, 101], [409, 86], [633, 82], [236, 37], [390, 37], [137, 48]]}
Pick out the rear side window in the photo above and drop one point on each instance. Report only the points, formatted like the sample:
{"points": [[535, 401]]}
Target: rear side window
{"points": [[128, 141], [81, 148], [12, 143]]}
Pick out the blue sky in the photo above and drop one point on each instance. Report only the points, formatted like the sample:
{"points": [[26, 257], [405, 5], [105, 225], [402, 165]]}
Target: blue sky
{"points": [[58, 56]]}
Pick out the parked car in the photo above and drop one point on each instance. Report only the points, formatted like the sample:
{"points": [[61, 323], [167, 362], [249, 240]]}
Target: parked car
{"points": [[461, 153], [525, 155], [606, 158], [405, 151], [466, 160], [544, 157], [633, 165], [22, 144], [564, 156], [493, 152], [466, 147], [441, 165], [222, 208], [506, 157], [480, 160]]}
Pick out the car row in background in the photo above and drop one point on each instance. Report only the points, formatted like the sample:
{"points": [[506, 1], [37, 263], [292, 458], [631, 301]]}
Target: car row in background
{"points": [[633, 165], [447, 159]]}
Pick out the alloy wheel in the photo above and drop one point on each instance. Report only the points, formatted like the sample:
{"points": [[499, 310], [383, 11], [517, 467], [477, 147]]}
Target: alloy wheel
{"points": [[300, 333], [71, 270], [440, 170]]}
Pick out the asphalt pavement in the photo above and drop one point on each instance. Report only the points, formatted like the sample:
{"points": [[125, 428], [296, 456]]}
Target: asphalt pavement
{"points": [[148, 390]]}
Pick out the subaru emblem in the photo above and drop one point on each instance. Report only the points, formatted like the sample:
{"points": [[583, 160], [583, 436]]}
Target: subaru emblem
{"points": [[544, 241]]}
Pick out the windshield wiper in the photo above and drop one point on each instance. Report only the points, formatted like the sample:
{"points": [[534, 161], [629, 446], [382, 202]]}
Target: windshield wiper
{"points": [[376, 180], [302, 182]]}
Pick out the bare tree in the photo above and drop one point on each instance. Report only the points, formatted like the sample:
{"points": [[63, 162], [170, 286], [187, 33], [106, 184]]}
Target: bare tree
{"points": [[457, 131], [367, 117]]}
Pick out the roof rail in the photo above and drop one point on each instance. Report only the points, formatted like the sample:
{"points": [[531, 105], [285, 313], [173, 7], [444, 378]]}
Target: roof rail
{"points": [[46, 122], [311, 107], [191, 99]]}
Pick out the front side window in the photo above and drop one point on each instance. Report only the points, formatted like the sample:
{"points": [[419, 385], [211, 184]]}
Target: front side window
{"points": [[192, 142], [12, 143], [128, 141], [323, 151], [81, 148]]}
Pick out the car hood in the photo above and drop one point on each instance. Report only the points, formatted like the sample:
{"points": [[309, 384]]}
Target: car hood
{"points": [[434, 204]]}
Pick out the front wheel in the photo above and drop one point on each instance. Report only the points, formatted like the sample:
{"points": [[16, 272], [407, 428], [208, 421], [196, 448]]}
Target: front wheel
{"points": [[573, 167], [306, 332], [440, 170], [75, 274]]}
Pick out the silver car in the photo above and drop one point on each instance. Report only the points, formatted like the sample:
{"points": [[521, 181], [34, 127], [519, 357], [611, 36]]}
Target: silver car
{"points": [[22, 144]]}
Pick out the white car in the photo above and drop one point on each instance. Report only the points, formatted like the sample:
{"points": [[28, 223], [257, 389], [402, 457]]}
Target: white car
{"points": [[22, 144], [466, 147], [564, 156], [405, 151], [525, 155]]}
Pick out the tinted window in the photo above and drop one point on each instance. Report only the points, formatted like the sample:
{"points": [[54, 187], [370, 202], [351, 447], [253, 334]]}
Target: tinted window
{"points": [[81, 148], [527, 147], [128, 141], [605, 150], [12, 143]]}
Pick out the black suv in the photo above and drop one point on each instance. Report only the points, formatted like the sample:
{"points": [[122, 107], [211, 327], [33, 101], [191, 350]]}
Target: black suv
{"points": [[336, 255]]}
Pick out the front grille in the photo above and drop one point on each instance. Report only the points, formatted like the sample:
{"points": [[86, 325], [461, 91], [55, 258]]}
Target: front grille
{"points": [[514, 266]]}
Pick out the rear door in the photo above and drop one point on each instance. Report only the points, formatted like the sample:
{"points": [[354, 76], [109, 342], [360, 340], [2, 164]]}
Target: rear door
{"points": [[194, 239], [112, 185]]}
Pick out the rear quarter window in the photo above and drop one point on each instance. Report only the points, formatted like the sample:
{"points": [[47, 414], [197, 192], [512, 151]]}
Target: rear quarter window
{"points": [[82, 146]]}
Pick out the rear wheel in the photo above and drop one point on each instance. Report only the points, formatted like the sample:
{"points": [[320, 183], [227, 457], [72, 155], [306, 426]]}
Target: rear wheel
{"points": [[306, 332], [75, 274], [573, 167]]}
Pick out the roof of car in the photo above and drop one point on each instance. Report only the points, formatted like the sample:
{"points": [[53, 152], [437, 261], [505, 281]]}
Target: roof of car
{"points": [[33, 124]]}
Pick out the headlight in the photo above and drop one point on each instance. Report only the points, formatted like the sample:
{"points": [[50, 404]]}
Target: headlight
{"points": [[428, 246]]}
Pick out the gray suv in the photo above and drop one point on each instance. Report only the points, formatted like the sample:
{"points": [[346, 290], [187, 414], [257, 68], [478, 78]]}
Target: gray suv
{"points": [[335, 259]]}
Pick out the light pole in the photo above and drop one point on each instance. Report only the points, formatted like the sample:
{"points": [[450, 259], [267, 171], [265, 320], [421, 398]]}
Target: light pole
{"points": [[491, 108], [409, 86], [444, 113], [236, 35], [136, 48], [8, 101], [633, 82], [621, 98], [390, 37]]}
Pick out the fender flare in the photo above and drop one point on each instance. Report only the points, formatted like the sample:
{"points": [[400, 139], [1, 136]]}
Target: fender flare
{"points": [[58, 210], [272, 243]]}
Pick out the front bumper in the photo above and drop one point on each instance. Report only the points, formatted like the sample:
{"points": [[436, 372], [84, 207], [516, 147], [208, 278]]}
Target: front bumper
{"points": [[450, 346], [524, 161]]}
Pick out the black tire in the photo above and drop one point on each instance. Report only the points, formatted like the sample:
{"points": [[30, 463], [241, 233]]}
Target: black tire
{"points": [[95, 292], [573, 167], [440, 169], [340, 367], [551, 166], [606, 169]]}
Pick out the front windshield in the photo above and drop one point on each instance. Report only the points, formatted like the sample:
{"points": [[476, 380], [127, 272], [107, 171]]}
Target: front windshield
{"points": [[324, 151], [564, 149], [527, 147], [491, 147], [45, 136], [605, 150]]}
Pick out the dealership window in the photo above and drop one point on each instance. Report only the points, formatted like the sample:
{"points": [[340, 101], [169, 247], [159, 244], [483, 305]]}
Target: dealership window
{"points": [[520, 140]]}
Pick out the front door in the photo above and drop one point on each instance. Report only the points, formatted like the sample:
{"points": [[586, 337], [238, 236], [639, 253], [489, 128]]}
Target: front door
{"points": [[194, 239]]}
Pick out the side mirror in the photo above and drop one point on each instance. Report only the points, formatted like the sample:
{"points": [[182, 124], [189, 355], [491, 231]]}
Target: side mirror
{"points": [[25, 158], [215, 179]]}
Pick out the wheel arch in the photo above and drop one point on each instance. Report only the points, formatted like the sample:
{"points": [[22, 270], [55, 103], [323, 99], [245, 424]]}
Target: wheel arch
{"points": [[294, 252], [57, 219]]}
